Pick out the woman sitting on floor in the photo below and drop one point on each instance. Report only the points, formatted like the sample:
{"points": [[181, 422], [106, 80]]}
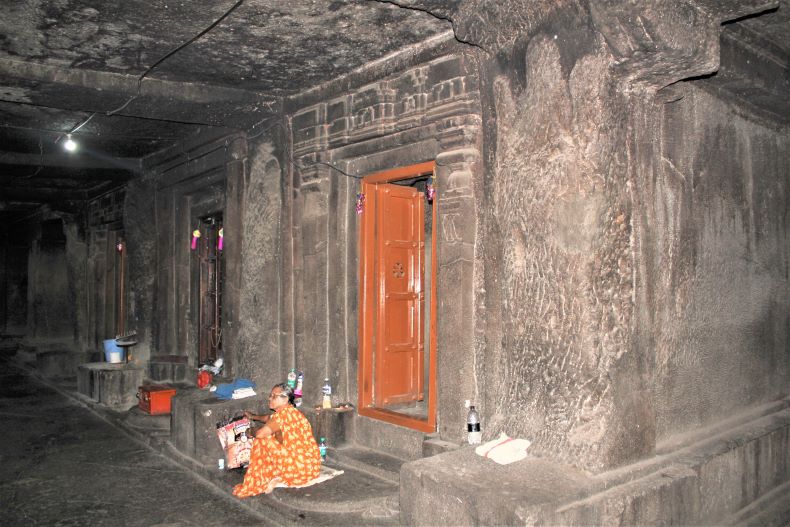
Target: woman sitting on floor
{"points": [[284, 450]]}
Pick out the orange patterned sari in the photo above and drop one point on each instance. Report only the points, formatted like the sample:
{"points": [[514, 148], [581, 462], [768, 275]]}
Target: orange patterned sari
{"points": [[296, 461]]}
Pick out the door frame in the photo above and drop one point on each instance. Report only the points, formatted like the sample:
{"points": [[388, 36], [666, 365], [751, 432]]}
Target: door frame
{"points": [[368, 303], [210, 226]]}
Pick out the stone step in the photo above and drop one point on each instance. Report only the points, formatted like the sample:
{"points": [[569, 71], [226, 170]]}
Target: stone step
{"points": [[364, 459], [342, 500], [113, 385], [147, 423]]}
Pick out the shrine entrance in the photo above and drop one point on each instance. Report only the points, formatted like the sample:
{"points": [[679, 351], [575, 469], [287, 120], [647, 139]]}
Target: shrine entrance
{"points": [[397, 372], [211, 279]]}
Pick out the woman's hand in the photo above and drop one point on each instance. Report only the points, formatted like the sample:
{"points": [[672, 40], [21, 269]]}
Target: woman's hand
{"points": [[252, 417]]}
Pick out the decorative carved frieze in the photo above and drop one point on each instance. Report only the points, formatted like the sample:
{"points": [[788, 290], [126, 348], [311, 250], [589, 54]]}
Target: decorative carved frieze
{"points": [[309, 128], [423, 94]]}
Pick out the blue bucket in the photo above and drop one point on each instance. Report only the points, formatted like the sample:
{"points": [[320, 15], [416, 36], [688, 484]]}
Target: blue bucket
{"points": [[113, 352]]}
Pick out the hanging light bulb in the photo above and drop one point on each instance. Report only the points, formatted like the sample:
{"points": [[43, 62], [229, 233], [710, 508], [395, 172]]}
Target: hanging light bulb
{"points": [[70, 145]]}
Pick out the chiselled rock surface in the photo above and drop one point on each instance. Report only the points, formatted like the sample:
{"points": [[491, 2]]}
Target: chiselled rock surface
{"points": [[564, 266]]}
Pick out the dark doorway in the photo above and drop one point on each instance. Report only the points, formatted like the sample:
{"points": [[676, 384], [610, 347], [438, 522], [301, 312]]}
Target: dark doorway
{"points": [[211, 280]]}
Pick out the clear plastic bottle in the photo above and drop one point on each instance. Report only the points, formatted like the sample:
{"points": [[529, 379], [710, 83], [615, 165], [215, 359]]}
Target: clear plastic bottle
{"points": [[292, 378], [322, 448], [326, 401], [474, 436]]}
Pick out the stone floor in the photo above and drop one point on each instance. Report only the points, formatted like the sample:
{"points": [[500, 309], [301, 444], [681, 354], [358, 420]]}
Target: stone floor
{"points": [[69, 460], [61, 464], [61, 442]]}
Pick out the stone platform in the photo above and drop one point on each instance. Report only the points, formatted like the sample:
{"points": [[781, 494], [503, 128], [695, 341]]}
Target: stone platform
{"points": [[729, 475], [112, 385], [194, 417], [195, 414]]}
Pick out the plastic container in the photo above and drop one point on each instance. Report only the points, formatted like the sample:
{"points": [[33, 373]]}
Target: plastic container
{"points": [[292, 378], [204, 378], [113, 352]]}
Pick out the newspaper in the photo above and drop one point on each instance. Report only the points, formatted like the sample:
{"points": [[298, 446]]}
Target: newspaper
{"points": [[233, 438]]}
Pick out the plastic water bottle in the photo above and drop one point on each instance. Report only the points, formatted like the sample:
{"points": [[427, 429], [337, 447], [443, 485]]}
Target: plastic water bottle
{"points": [[322, 448], [327, 391], [292, 378], [474, 436]]}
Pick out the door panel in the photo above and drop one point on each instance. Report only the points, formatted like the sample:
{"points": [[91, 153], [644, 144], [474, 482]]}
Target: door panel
{"points": [[397, 354], [399, 340]]}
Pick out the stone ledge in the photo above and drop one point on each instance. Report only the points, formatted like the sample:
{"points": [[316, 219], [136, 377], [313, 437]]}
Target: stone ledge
{"points": [[113, 385], [333, 424], [705, 482], [194, 416]]}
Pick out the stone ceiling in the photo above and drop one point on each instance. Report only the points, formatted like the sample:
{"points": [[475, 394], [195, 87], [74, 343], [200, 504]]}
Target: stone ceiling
{"points": [[138, 76], [64, 61]]}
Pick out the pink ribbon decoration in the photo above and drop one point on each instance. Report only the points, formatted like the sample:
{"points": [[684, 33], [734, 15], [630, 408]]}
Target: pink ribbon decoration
{"points": [[220, 238], [430, 189], [195, 236]]}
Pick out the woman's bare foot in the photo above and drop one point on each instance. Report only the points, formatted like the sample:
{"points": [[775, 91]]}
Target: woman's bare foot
{"points": [[272, 484]]}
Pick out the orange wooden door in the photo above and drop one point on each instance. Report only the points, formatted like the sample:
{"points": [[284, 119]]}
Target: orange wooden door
{"points": [[400, 248]]}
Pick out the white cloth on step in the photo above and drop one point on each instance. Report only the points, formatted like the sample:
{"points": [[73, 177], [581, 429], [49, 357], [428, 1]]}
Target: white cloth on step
{"points": [[504, 450], [325, 474], [242, 393]]}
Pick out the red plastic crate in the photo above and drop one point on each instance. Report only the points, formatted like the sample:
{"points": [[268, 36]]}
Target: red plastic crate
{"points": [[155, 398]]}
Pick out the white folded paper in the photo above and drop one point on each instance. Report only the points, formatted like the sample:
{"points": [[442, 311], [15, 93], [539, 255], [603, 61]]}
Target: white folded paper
{"points": [[504, 450]]}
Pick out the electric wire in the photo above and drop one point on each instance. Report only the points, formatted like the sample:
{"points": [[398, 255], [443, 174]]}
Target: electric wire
{"points": [[154, 65], [86, 121], [104, 135], [40, 163], [293, 162], [171, 53]]}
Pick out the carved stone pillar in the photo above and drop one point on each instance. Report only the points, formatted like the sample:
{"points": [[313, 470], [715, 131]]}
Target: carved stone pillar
{"points": [[458, 167]]}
